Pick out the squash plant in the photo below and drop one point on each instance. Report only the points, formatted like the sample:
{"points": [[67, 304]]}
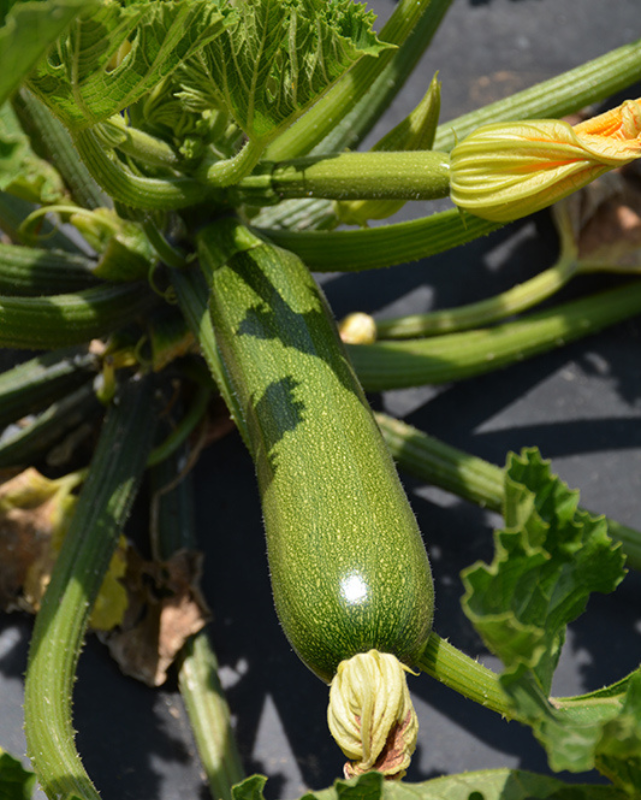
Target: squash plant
{"points": [[171, 173]]}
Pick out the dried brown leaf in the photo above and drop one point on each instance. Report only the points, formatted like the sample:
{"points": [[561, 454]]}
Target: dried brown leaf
{"points": [[605, 218], [34, 516], [165, 608]]}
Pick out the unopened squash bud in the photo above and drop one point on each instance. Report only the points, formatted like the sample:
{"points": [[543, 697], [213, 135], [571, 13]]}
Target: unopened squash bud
{"points": [[358, 328], [371, 715], [507, 170]]}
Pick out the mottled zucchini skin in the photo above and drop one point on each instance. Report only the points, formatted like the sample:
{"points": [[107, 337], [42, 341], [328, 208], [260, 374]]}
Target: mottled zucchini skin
{"points": [[348, 566]]}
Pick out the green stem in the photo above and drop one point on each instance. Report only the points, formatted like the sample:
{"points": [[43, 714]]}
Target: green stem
{"points": [[474, 315], [13, 212], [455, 356], [28, 228], [181, 432], [385, 246], [165, 251], [297, 214], [138, 144], [34, 384], [103, 506], [153, 194], [443, 465], [31, 442], [29, 271], [470, 477], [569, 92], [411, 175], [452, 667], [369, 107], [230, 171], [322, 118], [198, 680], [67, 319], [52, 142], [209, 715], [192, 291]]}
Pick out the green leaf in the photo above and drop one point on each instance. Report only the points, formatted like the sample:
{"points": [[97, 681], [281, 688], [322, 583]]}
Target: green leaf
{"points": [[367, 787], [110, 59], [548, 560], [497, 784], [28, 30], [250, 789], [619, 748], [277, 59], [12, 147], [16, 783], [22, 172], [570, 736], [601, 730]]}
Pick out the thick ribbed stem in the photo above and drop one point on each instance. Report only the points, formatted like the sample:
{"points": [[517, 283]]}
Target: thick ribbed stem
{"points": [[103, 506]]}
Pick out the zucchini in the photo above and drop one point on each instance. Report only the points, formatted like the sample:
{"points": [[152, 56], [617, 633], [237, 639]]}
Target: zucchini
{"points": [[348, 566]]}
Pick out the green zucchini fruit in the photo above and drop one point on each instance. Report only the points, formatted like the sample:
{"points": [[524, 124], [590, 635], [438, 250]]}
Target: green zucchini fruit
{"points": [[348, 566]]}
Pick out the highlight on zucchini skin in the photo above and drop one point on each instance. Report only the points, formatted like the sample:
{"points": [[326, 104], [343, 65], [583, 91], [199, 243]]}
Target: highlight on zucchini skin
{"points": [[348, 566]]}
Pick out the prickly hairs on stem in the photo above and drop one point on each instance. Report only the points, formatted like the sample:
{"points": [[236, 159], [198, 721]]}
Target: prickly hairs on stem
{"points": [[371, 715]]}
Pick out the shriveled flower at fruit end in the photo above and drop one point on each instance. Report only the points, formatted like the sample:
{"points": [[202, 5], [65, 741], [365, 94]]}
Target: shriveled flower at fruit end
{"points": [[507, 170], [371, 715]]}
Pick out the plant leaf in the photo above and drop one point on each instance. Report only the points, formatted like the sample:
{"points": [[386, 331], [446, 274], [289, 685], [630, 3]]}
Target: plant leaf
{"points": [[16, 783], [548, 560], [497, 784], [602, 732], [569, 737], [28, 30], [12, 146], [110, 59], [619, 747], [22, 172], [277, 59], [250, 789]]}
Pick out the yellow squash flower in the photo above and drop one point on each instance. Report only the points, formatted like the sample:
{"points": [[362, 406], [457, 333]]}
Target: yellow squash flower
{"points": [[508, 170]]}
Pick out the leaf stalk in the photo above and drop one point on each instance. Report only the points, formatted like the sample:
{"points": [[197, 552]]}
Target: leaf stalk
{"points": [[153, 194], [103, 506], [470, 477], [385, 246], [455, 356]]}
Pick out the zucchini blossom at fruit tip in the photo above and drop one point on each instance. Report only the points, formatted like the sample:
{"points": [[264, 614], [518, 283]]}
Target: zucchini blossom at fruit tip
{"points": [[508, 170], [371, 715]]}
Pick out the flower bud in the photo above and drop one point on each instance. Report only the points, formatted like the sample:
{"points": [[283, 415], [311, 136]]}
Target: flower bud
{"points": [[358, 328], [371, 716], [508, 170]]}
